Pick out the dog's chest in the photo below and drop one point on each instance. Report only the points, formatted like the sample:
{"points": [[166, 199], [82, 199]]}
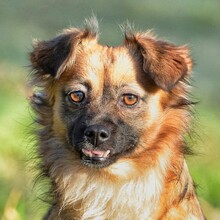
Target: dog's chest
{"points": [[135, 199]]}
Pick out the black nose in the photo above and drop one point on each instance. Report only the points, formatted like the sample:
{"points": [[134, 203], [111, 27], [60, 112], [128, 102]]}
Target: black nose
{"points": [[97, 134]]}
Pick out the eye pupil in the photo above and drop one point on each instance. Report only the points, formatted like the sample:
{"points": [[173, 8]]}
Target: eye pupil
{"points": [[130, 99], [77, 96]]}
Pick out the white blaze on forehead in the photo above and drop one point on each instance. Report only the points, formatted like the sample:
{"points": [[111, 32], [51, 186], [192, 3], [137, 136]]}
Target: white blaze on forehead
{"points": [[95, 61], [123, 63], [93, 69], [122, 69]]}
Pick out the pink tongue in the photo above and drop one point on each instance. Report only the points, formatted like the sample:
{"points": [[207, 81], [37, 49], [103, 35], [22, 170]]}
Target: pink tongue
{"points": [[97, 152], [93, 152]]}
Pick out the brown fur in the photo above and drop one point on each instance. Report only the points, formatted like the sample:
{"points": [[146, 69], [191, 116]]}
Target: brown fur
{"points": [[151, 181]]}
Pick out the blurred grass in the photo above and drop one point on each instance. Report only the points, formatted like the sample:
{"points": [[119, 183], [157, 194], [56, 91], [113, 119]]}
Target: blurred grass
{"points": [[17, 195], [206, 166], [194, 22]]}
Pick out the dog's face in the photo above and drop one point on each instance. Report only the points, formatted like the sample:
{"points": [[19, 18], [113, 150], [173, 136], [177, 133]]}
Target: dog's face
{"points": [[104, 104], [108, 102]]}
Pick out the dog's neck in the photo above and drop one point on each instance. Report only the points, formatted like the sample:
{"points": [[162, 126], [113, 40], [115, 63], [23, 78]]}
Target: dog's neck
{"points": [[91, 194]]}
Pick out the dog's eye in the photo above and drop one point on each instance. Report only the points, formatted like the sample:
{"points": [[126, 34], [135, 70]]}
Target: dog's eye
{"points": [[130, 99], [76, 96]]}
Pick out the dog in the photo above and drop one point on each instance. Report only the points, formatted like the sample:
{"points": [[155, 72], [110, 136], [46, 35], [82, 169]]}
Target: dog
{"points": [[111, 127]]}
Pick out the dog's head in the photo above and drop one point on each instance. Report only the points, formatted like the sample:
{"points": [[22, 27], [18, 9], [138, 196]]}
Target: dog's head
{"points": [[109, 103]]}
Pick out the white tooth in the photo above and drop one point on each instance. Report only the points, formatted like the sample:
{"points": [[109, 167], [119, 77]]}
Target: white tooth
{"points": [[106, 153]]}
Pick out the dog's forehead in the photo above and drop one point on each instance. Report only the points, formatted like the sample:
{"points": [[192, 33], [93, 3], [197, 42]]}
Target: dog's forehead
{"points": [[108, 65], [120, 65]]}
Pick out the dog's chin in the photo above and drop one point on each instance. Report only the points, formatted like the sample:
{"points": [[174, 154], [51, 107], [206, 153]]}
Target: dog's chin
{"points": [[96, 159], [96, 162]]}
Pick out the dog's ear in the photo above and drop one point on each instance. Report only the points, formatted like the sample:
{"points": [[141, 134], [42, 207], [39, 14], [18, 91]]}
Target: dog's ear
{"points": [[165, 63], [52, 57]]}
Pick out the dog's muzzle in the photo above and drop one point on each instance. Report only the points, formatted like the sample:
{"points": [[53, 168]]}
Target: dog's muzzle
{"points": [[95, 135]]}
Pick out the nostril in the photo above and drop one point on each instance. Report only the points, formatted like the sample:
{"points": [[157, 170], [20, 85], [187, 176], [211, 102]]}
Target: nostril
{"points": [[104, 134], [96, 134], [89, 133]]}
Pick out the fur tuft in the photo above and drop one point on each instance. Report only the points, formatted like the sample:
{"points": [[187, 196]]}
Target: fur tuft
{"points": [[92, 26]]}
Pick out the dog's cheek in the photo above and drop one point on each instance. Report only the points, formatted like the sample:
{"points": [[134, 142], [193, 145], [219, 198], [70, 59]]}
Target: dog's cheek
{"points": [[63, 118], [154, 108], [76, 130], [125, 139], [59, 126], [147, 122], [149, 113]]}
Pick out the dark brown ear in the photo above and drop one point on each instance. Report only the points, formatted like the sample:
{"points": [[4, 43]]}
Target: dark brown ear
{"points": [[54, 56], [51, 57], [164, 62]]}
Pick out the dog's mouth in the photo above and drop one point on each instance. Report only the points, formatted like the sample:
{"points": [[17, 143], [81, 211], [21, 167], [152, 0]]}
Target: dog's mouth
{"points": [[96, 158], [96, 153]]}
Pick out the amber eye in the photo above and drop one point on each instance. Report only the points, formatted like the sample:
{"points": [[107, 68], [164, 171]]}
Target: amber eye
{"points": [[130, 99], [76, 96]]}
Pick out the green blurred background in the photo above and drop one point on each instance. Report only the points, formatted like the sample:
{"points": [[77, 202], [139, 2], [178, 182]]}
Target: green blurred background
{"points": [[196, 23]]}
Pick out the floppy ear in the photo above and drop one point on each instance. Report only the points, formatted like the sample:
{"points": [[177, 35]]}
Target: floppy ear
{"points": [[54, 56], [51, 57], [165, 63]]}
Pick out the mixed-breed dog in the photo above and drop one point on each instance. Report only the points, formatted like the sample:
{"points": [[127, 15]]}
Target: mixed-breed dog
{"points": [[111, 126]]}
